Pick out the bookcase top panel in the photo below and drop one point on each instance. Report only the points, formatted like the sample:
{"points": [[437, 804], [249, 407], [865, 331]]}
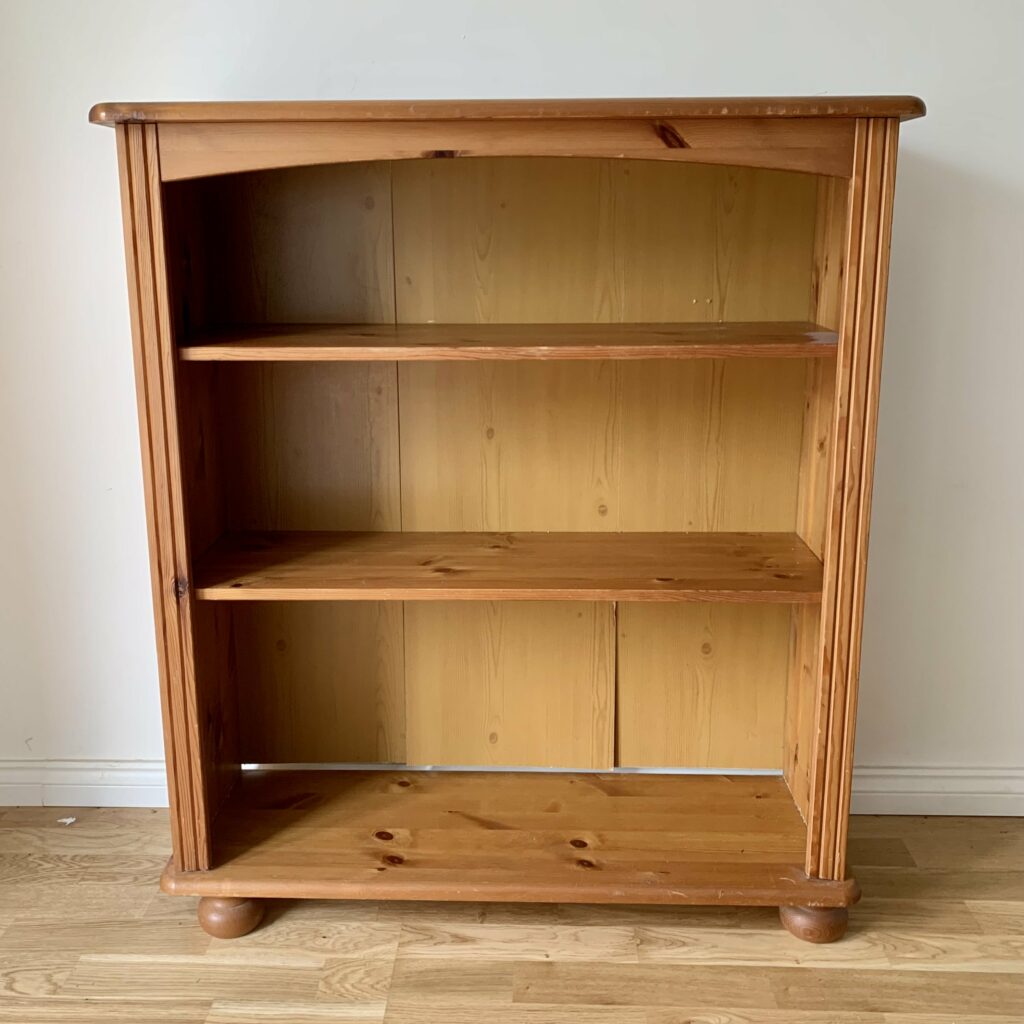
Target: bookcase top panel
{"points": [[903, 107]]}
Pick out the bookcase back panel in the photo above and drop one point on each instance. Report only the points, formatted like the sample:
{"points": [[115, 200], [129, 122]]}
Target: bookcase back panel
{"points": [[699, 445], [308, 446], [511, 683], [320, 682], [578, 241], [599, 446], [306, 245], [701, 685]]}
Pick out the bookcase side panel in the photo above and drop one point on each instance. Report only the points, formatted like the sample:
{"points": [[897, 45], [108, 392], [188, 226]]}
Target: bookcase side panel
{"points": [[187, 777], [850, 480], [804, 709]]}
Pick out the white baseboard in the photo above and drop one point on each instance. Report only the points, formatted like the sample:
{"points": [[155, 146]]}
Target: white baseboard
{"points": [[930, 790], [939, 790], [39, 783]]}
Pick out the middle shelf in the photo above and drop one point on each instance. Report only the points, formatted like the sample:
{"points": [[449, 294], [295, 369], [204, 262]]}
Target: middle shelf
{"points": [[429, 342], [328, 566]]}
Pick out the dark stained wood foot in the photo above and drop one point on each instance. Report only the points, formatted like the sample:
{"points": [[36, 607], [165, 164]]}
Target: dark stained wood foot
{"points": [[815, 924], [229, 917]]}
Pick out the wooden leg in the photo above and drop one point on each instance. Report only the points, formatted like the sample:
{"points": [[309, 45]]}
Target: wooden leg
{"points": [[815, 924], [229, 917]]}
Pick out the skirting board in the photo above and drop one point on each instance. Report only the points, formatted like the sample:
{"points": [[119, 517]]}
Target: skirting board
{"points": [[939, 790], [40, 783], [930, 790]]}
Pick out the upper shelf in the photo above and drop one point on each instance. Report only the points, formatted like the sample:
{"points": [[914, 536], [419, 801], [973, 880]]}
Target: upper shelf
{"points": [[903, 107], [319, 566], [366, 342]]}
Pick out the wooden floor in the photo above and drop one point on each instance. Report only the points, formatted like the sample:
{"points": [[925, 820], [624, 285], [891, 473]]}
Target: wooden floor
{"points": [[85, 936]]}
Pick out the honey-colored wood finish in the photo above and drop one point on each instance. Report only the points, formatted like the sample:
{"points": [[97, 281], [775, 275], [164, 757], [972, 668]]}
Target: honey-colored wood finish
{"points": [[349, 660], [556, 457], [808, 145], [189, 775], [815, 924], [700, 686], [511, 836], [902, 107], [511, 684], [421, 566], [849, 503], [227, 917], [804, 696], [324, 343]]}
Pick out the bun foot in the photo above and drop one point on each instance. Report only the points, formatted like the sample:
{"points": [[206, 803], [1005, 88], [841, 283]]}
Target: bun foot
{"points": [[815, 924], [229, 917]]}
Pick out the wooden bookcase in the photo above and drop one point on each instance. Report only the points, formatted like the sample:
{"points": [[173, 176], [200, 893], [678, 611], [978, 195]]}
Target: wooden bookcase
{"points": [[482, 438]]}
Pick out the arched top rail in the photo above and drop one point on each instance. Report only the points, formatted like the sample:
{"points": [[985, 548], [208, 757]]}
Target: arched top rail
{"points": [[811, 145]]}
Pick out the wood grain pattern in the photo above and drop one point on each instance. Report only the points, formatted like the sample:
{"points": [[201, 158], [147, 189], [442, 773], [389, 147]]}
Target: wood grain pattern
{"points": [[538, 109], [859, 369], [457, 835], [320, 566], [431, 342], [518, 236], [503, 684], [306, 447], [806, 699], [307, 245], [803, 703], [188, 777], [291, 446], [477, 456], [701, 686], [547, 240], [709, 446], [814, 146], [321, 683], [644, 446]]}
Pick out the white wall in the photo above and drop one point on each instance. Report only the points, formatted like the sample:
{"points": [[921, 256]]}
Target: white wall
{"points": [[943, 671]]}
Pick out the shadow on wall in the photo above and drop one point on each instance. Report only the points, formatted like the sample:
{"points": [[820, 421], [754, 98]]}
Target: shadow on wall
{"points": [[943, 647]]}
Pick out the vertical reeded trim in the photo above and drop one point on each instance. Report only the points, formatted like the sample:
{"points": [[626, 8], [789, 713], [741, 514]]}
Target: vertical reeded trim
{"points": [[155, 385], [850, 478]]}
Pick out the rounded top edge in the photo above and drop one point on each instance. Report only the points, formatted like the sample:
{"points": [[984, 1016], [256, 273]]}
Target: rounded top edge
{"points": [[904, 107]]}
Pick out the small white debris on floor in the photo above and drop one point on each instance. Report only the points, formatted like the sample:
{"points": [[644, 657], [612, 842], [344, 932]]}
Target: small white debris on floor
{"points": [[66, 821]]}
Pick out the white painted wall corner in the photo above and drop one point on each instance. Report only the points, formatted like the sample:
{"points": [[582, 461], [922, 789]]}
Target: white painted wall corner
{"points": [[895, 790]]}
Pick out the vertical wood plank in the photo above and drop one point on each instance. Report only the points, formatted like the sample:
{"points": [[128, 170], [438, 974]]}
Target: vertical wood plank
{"points": [[859, 365], [509, 446], [764, 234], [700, 686], [304, 245], [708, 445], [803, 699], [522, 683], [188, 777], [306, 446], [321, 682]]}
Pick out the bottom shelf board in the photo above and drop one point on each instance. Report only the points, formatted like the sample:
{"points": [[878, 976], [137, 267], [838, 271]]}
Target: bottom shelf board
{"points": [[511, 836]]}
